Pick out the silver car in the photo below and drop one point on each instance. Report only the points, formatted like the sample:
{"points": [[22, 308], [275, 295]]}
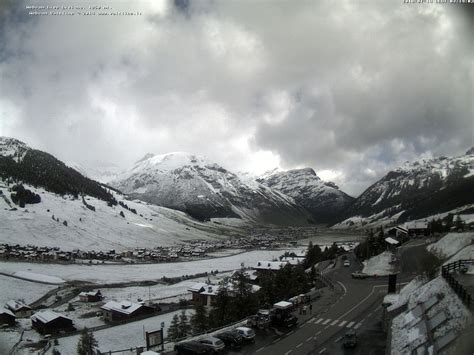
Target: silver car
{"points": [[213, 343]]}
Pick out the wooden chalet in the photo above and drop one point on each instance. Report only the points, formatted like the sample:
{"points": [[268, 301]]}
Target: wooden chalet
{"points": [[7, 317], [19, 309], [50, 322], [91, 296], [114, 311]]}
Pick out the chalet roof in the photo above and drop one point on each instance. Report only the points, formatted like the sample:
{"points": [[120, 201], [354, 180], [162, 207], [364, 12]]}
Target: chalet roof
{"points": [[124, 307], [47, 316], [270, 265], [283, 305], [416, 225], [16, 306], [197, 287], [90, 293], [6, 311]]}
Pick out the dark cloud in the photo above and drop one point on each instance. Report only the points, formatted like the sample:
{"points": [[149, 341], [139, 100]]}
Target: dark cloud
{"points": [[354, 88]]}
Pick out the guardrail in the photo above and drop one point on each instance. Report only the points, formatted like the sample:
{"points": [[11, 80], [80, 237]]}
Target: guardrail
{"points": [[458, 288]]}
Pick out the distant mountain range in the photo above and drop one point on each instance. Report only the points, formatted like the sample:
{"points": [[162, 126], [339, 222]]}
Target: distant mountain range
{"points": [[205, 190]]}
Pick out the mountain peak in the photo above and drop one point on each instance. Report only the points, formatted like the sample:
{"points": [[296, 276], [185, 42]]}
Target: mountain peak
{"points": [[12, 147], [145, 157], [470, 151]]}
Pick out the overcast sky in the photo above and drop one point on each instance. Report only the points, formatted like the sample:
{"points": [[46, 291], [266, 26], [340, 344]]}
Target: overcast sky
{"points": [[349, 88]]}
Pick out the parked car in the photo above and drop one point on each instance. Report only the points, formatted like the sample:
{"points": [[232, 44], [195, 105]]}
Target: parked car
{"points": [[231, 339], [350, 339], [347, 263], [247, 334], [359, 275], [215, 344], [192, 348]]}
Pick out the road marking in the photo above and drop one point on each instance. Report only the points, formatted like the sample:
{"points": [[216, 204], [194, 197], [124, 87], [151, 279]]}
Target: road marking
{"points": [[276, 340], [350, 324], [338, 339], [289, 351], [318, 332], [322, 350], [302, 325], [299, 345], [343, 287], [358, 304], [312, 320], [309, 339], [319, 321], [260, 349], [290, 332], [335, 322], [357, 326], [342, 323], [326, 321]]}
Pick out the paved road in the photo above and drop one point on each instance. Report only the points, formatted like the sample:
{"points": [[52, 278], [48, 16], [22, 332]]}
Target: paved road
{"points": [[353, 304]]}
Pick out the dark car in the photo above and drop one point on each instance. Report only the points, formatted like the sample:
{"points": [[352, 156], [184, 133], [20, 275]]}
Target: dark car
{"points": [[192, 348], [350, 339], [231, 339]]}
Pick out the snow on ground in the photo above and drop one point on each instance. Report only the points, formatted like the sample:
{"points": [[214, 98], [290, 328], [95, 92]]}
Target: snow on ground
{"points": [[110, 273], [450, 244], [83, 313], [379, 264], [103, 229], [38, 277], [157, 292], [12, 289], [458, 316], [120, 337]]}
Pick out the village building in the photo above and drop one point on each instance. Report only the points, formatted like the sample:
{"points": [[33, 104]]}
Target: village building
{"points": [[114, 311], [19, 309], [7, 317], [417, 228], [91, 296], [50, 322], [206, 293], [271, 266]]}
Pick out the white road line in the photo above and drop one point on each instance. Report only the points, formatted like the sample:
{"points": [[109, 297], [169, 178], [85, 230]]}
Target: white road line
{"points": [[260, 349], [338, 339], [326, 321], [312, 320], [289, 351], [302, 325], [318, 332], [290, 332], [358, 304], [276, 340], [350, 324], [309, 339], [299, 345], [335, 322], [319, 321], [343, 287], [342, 323], [357, 326], [322, 350]]}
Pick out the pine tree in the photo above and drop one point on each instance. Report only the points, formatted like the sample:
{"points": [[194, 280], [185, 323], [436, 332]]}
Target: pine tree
{"points": [[199, 320], [87, 343], [184, 327], [173, 330]]}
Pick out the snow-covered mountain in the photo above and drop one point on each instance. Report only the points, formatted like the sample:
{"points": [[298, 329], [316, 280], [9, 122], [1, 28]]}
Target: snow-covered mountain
{"points": [[103, 173], [322, 199], [205, 190], [416, 190]]}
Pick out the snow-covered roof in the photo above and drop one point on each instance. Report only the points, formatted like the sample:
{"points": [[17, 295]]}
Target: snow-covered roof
{"points": [[292, 260], [6, 311], [466, 218], [90, 293], [197, 287], [416, 225], [17, 305], [283, 305], [149, 352], [125, 307], [47, 316], [270, 265], [392, 241]]}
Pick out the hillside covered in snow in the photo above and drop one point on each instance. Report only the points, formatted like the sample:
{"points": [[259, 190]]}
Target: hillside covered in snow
{"points": [[204, 190], [322, 199], [416, 190]]}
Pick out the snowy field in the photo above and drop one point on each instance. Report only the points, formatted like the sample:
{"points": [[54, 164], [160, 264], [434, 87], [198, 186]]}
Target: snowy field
{"points": [[12, 289], [450, 244], [122, 336], [379, 264], [104, 274], [103, 229]]}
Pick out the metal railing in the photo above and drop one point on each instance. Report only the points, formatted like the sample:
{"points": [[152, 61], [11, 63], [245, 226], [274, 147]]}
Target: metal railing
{"points": [[458, 288]]}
